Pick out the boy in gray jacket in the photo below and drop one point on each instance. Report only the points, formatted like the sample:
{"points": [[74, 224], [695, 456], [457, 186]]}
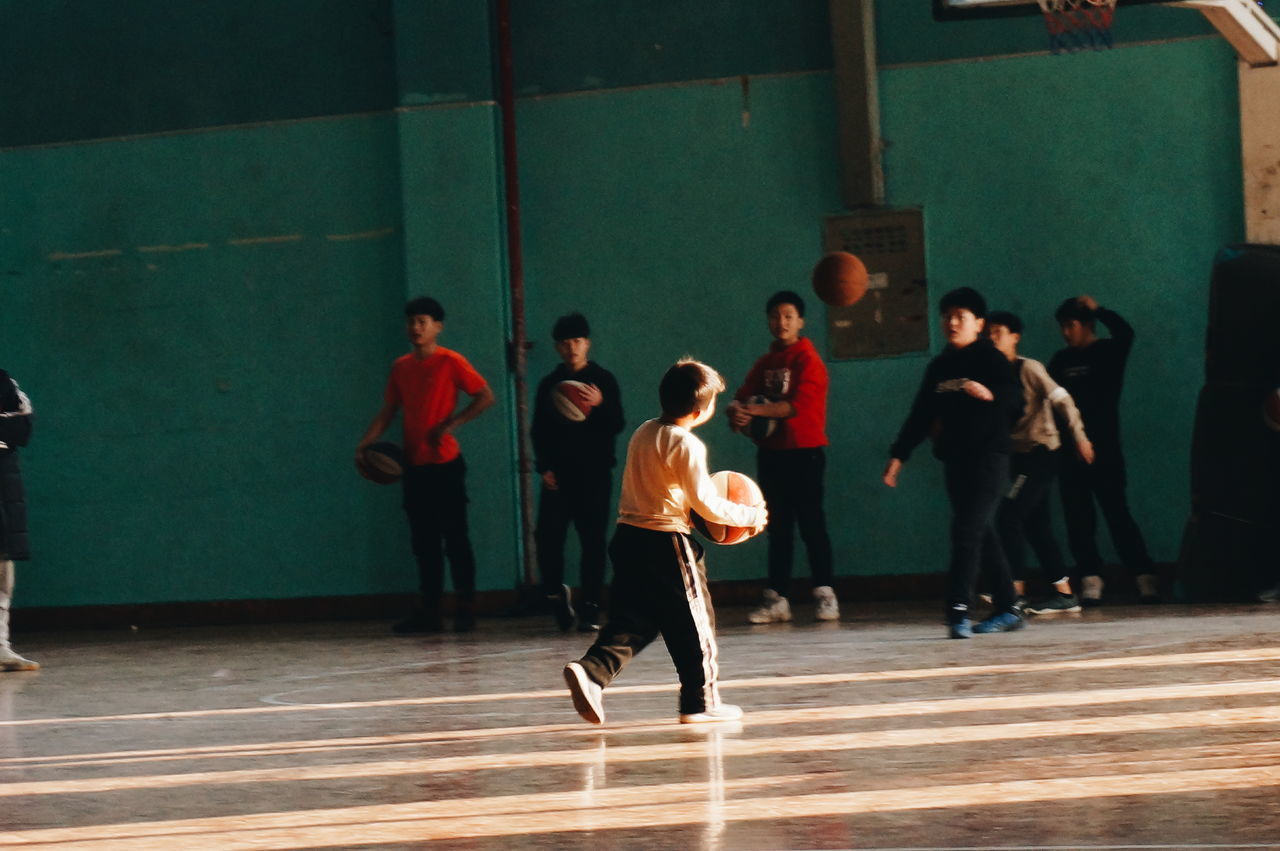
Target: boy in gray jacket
{"points": [[1033, 465]]}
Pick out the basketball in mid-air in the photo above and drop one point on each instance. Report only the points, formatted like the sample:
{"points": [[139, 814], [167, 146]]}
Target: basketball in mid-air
{"points": [[383, 463], [570, 400], [734, 487], [840, 279]]}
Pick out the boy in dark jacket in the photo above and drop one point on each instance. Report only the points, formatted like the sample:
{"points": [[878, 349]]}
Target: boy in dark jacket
{"points": [[575, 460], [15, 431], [970, 397], [1092, 371]]}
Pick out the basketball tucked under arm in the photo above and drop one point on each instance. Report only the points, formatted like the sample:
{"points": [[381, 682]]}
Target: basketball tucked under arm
{"points": [[703, 498]]}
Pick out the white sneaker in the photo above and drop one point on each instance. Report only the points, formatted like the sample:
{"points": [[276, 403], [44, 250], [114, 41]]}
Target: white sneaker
{"points": [[588, 698], [10, 661], [776, 609], [723, 712], [828, 606], [1091, 592], [1269, 595]]}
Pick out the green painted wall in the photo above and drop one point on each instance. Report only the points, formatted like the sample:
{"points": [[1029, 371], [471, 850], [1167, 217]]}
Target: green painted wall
{"points": [[697, 219], [199, 395], [81, 70]]}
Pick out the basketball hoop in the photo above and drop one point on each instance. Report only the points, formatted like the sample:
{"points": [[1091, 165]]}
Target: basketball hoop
{"points": [[1078, 24]]}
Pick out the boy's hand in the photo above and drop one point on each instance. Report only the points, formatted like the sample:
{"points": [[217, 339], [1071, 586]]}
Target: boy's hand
{"points": [[437, 433], [1088, 301], [891, 471], [738, 417], [978, 391], [592, 395], [362, 466], [549, 479], [1085, 451]]}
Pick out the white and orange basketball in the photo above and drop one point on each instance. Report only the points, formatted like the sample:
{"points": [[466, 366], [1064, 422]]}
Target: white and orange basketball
{"points": [[1271, 410], [734, 487], [570, 400]]}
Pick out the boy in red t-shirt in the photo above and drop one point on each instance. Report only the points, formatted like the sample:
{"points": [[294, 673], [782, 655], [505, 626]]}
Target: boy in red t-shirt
{"points": [[789, 385], [425, 383]]}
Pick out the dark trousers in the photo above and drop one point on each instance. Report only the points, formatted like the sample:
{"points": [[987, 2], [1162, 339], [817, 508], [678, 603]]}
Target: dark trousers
{"points": [[1024, 516], [791, 480], [582, 499], [1105, 481], [975, 486], [659, 588], [435, 501]]}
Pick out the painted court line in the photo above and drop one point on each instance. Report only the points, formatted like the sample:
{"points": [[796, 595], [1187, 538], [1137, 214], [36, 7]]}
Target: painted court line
{"points": [[1263, 654], [1157, 722], [777, 717]]}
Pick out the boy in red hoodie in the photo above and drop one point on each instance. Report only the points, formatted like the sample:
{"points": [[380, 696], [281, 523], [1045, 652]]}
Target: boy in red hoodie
{"points": [[788, 385]]}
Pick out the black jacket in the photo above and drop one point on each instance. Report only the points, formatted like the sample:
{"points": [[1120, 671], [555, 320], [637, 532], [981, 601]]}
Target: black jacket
{"points": [[15, 431], [568, 447], [964, 426], [1094, 376]]}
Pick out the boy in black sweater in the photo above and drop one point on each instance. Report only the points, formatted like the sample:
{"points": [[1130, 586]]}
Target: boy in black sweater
{"points": [[575, 460], [970, 398], [15, 431], [1092, 371]]}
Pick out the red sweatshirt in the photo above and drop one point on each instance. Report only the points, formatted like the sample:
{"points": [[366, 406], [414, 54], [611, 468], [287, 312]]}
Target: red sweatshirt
{"points": [[794, 374]]}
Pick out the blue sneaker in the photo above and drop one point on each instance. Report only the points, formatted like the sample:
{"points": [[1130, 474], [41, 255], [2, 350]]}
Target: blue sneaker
{"points": [[1003, 622], [960, 629]]}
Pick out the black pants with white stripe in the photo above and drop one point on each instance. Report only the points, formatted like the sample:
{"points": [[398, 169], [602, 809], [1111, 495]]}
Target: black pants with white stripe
{"points": [[659, 588]]}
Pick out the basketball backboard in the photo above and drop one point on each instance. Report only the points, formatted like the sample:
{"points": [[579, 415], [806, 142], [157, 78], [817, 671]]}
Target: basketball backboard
{"points": [[1246, 24], [962, 9]]}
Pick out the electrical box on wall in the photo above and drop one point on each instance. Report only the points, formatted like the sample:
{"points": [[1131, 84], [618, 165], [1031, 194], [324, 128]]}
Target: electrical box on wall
{"points": [[892, 318]]}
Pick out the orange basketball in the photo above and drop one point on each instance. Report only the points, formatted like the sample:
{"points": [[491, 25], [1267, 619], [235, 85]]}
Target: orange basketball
{"points": [[734, 487], [840, 279]]}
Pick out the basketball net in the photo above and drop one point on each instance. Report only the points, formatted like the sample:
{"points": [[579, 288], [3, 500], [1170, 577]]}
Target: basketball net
{"points": [[1078, 24]]}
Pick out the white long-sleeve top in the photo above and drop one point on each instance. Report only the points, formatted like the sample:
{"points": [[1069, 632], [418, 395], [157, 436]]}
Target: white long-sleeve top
{"points": [[666, 477], [1043, 395]]}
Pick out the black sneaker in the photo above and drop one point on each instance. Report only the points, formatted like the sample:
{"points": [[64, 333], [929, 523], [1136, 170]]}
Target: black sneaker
{"points": [[588, 617], [1057, 604], [562, 608], [418, 622]]}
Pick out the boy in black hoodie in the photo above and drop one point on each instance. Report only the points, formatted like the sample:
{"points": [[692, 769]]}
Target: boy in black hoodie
{"points": [[15, 431], [575, 460], [1091, 368], [970, 398]]}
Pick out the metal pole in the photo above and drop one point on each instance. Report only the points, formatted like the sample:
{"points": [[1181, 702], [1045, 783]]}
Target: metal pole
{"points": [[518, 345]]}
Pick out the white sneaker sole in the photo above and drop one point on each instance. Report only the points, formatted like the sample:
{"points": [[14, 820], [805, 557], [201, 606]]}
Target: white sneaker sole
{"points": [[580, 688], [725, 712]]}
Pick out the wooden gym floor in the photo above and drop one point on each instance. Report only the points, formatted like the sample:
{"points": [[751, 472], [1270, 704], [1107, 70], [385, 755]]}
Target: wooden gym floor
{"points": [[1152, 727]]}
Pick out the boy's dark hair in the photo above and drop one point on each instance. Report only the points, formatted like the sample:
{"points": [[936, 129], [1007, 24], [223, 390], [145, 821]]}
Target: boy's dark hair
{"points": [[424, 306], [1073, 309], [1009, 320], [785, 297], [965, 298], [569, 326], [688, 386]]}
